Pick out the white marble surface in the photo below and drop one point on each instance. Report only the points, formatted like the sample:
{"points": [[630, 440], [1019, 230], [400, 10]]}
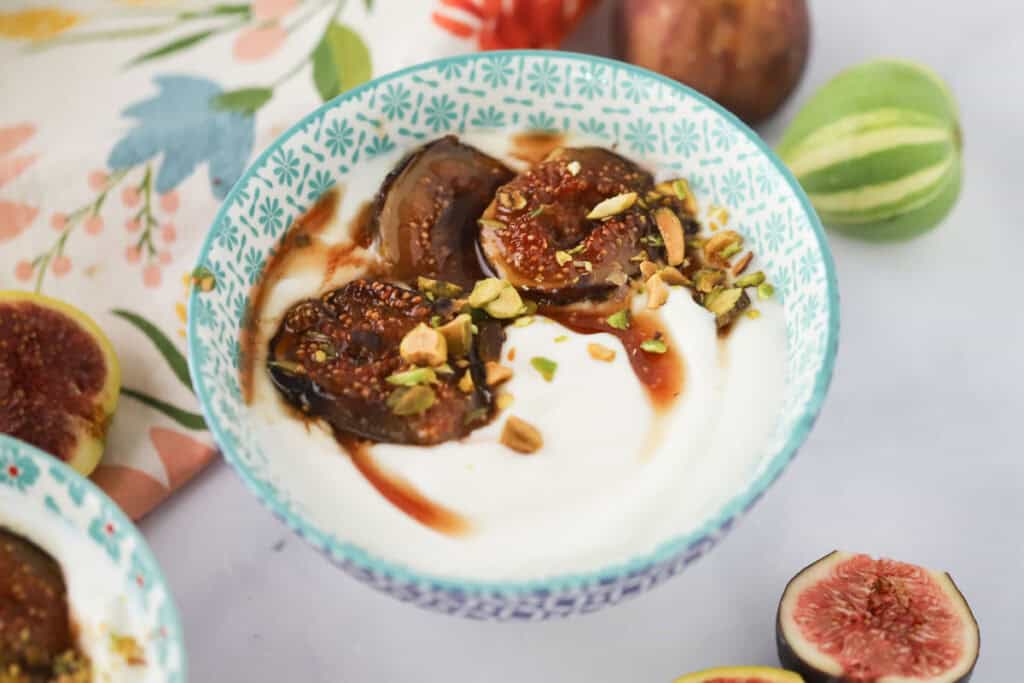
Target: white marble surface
{"points": [[917, 454]]}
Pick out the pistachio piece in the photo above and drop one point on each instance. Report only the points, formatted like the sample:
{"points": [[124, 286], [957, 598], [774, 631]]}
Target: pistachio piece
{"points": [[718, 214], [657, 292], [466, 383], [411, 400], [512, 200], [726, 304], [753, 314], [496, 373], [653, 346], [458, 333], [524, 321], [409, 378], [562, 257], [742, 264], [504, 401], [648, 268], [619, 320], [706, 280], [475, 415], [508, 304], [617, 278], [585, 265], [696, 242], [545, 366], [681, 189], [423, 345], [529, 307], [601, 352], [439, 288], [765, 291], [485, 291], [715, 248], [561, 338], [652, 240], [671, 230], [573, 167], [751, 280], [729, 252], [490, 223], [538, 211], [520, 435], [671, 276], [612, 206]]}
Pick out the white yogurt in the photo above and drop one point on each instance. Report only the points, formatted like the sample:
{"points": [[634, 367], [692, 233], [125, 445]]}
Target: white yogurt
{"points": [[614, 479]]}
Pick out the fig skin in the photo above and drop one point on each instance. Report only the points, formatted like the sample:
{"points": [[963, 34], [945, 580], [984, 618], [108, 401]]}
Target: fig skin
{"points": [[790, 660], [747, 55]]}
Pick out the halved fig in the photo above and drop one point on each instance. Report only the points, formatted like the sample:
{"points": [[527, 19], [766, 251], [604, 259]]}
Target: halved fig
{"points": [[59, 378], [854, 619], [567, 229], [339, 358], [35, 624], [741, 674], [426, 211]]}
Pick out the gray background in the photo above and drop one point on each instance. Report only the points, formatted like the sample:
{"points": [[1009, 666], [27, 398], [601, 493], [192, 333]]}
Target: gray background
{"points": [[917, 454]]}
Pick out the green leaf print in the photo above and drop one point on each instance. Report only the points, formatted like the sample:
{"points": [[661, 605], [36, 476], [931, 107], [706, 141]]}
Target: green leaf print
{"points": [[244, 101], [174, 357], [341, 61], [182, 417], [176, 45]]}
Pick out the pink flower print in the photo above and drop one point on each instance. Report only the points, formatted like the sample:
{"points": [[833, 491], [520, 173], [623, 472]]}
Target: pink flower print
{"points": [[98, 180], [265, 10], [58, 221], [13, 136], [169, 201], [165, 257], [181, 455], [61, 266], [130, 196], [151, 276], [14, 167], [23, 271], [94, 224], [169, 233], [132, 254], [132, 225], [258, 43], [14, 218]]}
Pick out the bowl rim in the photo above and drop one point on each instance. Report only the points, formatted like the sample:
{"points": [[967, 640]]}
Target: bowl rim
{"points": [[340, 551], [45, 461]]}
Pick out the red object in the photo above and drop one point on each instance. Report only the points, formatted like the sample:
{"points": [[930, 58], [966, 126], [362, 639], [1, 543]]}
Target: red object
{"points": [[510, 24]]}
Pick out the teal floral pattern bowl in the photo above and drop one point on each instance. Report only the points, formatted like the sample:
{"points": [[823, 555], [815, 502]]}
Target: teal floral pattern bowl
{"points": [[55, 507], [644, 115]]}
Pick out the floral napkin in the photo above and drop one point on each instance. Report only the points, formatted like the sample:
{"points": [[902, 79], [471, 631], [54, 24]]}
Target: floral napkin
{"points": [[124, 124]]}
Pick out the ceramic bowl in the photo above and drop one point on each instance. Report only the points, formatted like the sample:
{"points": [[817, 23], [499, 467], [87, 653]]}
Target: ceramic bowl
{"points": [[645, 116], [68, 516]]}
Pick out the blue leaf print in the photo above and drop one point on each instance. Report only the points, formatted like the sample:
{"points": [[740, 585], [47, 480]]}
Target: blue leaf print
{"points": [[594, 127], [440, 113], [379, 145], [808, 266], [181, 125], [765, 179], [723, 135], [636, 89], [774, 232], [698, 184], [784, 280], [108, 534], [685, 137], [286, 166], [591, 81], [397, 100], [540, 121], [497, 71], [641, 136], [339, 137], [490, 117], [450, 70], [734, 187], [17, 471], [543, 78], [319, 183], [253, 265], [227, 236], [270, 216]]}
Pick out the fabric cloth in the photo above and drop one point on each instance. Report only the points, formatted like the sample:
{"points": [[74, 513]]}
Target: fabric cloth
{"points": [[124, 124]]}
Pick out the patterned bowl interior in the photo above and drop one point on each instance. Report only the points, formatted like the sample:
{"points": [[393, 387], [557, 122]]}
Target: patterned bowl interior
{"points": [[646, 116], [40, 494]]}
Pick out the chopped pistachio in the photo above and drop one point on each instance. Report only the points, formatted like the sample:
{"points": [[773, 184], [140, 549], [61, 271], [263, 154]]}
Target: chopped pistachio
{"points": [[753, 314], [439, 288], [529, 307], [435, 321], [638, 257], [512, 200], [462, 363], [413, 400], [508, 304], [681, 189], [490, 223], [652, 240], [538, 211], [719, 214], [466, 383], [648, 268], [562, 257], [742, 264], [475, 415], [672, 235], [765, 291], [573, 167], [657, 292], [409, 378], [458, 333], [585, 265], [729, 252], [423, 346], [715, 248], [696, 242], [751, 280], [545, 366], [320, 356], [444, 369], [672, 276], [496, 373], [504, 401], [561, 338], [619, 320], [642, 203], [485, 291], [601, 352], [577, 249], [523, 321], [520, 435], [723, 301], [288, 366], [617, 278], [653, 346], [612, 206], [706, 280]]}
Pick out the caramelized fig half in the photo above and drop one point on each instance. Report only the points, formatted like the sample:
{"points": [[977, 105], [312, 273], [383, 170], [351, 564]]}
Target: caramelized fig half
{"points": [[339, 358], [426, 211], [854, 619], [567, 229]]}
